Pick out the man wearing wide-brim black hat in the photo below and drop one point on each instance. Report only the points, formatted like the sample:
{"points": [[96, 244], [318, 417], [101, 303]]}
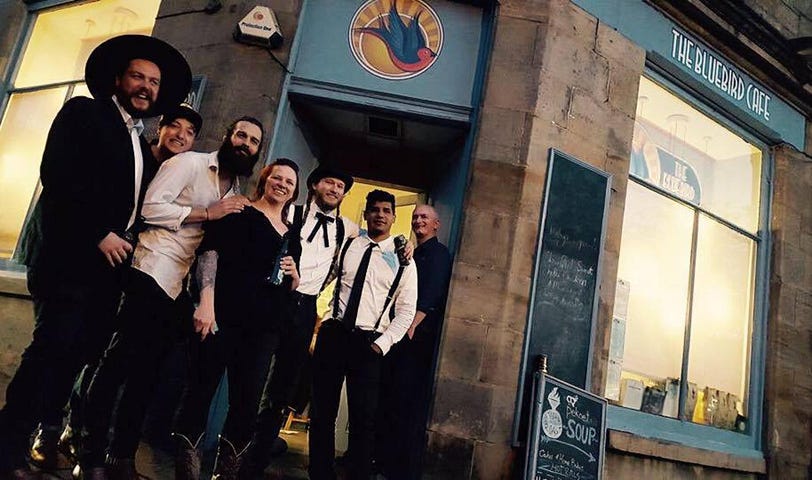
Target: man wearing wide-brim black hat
{"points": [[94, 171]]}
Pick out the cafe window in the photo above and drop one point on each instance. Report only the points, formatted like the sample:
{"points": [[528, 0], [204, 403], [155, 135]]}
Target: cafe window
{"points": [[683, 319], [50, 71]]}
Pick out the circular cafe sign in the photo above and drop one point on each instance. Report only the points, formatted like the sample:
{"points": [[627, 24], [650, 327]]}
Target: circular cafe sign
{"points": [[396, 39]]}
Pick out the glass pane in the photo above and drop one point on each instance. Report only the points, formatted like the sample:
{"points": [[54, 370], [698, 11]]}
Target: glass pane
{"points": [[695, 158], [648, 328], [25, 118], [62, 39], [718, 362]]}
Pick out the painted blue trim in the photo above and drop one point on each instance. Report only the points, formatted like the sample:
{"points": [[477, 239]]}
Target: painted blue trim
{"points": [[684, 433], [282, 107], [654, 31], [486, 41], [34, 6], [380, 101]]}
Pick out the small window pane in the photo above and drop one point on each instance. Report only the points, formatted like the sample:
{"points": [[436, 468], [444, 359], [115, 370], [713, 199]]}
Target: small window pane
{"points": [[718, 362], [655, 254], [22, 139], [695, 158], [62, 39]]}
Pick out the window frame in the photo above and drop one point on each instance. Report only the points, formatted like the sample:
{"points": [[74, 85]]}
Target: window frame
{"points": [[685, 432], [10, 268]]}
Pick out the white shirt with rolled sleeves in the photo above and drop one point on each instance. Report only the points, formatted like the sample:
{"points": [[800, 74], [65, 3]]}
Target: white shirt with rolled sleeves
{"points": [[316, 259], [166, 249], [383, 266]]}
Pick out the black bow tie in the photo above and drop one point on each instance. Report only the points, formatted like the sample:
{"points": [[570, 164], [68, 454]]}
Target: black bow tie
{"points": [[321, 223]]}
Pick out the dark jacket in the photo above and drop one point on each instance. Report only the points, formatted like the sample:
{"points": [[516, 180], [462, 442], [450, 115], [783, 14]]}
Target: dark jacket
{"points": [[87, 175]]}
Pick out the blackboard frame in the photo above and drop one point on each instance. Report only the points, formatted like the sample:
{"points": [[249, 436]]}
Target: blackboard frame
{"points": [[528, 358], [539, 386]]}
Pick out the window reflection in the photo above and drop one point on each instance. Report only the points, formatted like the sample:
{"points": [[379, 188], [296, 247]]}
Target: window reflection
{"points": [[22, 139]]}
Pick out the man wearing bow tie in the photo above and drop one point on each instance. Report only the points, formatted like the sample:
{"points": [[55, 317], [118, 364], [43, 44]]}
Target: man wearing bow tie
{"points": [[323, 231]]}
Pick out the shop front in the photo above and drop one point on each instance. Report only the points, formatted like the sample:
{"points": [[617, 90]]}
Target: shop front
{"points": [[691, 319]]}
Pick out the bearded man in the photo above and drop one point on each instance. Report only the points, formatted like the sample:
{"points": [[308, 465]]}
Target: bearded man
{"points": [[189, 189]]}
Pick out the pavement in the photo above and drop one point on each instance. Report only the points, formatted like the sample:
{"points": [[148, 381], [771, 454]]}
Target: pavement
{"points": [[156, 464]]}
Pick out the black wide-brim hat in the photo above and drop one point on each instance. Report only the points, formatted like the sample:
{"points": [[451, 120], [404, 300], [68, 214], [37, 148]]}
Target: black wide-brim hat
{"points": [[182, 111], [112, 56], [327, 171]]}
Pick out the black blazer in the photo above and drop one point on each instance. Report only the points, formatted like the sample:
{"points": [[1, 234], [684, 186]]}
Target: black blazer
{"points": [[87, 175]]}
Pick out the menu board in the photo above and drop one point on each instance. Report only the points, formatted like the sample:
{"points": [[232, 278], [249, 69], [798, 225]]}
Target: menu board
{"points": [[567, 432]]}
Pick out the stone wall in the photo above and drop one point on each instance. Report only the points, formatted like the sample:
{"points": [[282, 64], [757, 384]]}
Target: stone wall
{"points": [[787, 409], [792, 18], [13, 13], [241, 79], [557, 79]]}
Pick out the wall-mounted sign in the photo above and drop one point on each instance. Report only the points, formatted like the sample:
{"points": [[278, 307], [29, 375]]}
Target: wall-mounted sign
{"points": [[567, 434], [654, 164], [719, 73], [394, 39]]}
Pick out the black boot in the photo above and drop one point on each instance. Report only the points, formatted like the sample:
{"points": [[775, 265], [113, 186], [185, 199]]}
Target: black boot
{"points": [[228, 462], [266, 443], [187, 458], [44, 452]]}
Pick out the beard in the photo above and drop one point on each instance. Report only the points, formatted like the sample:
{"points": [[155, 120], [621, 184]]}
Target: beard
{"points": [[125, 101], [231, 158]]}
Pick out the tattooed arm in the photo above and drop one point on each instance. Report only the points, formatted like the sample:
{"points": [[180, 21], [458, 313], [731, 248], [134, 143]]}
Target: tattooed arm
{"points": [[205, 276]]}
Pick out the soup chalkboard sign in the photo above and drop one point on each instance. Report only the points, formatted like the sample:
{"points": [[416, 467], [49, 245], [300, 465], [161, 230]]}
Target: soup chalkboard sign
{"points": [[567, 432]]}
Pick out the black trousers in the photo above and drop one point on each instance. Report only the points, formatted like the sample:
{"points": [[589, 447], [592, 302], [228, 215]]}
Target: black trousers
{"points": [[72, 325], [286, 375], [245, 353], [400, 435], [150, 322], [341, 353]]}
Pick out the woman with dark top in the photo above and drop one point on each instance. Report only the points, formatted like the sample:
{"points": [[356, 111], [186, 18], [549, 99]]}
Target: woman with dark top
{"points": [[239, 321]]}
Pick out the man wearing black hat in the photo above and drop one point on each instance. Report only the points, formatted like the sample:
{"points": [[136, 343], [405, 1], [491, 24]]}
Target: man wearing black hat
{"points": [[189, 189], [177, 129], [94, 169], [322, 234]]}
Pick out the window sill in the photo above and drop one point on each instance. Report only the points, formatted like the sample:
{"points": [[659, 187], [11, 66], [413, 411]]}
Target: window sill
{"points": [[650, 447], [13, 283]]}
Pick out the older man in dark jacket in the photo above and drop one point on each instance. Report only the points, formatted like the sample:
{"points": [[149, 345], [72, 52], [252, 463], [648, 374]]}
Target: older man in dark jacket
{"points": [[94, 171]]}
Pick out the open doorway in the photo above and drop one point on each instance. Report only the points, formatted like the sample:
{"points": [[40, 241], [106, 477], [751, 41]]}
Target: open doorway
{"points": [[417, 158]]}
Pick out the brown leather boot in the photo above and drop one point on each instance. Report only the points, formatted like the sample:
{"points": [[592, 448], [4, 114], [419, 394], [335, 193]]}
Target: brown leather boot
{"points": [[44, 452], [228, 462], [187, 458]]}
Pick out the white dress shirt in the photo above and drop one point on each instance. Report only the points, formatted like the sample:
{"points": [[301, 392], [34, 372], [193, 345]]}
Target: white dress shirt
{"points": [[383, 266], [166, 249], [135, 129], [316, 259]]}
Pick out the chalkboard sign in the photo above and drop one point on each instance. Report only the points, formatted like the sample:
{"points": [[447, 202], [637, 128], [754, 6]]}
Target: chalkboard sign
{"points": [[564, 293], [567, 434]]}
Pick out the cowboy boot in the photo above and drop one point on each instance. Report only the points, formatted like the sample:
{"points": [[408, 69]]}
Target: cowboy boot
{"points": [[44, 452], [228, 461], [187, 458]]}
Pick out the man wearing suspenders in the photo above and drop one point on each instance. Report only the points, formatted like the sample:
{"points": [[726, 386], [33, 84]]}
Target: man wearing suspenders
{"points": [[374, 304], [323, 233]]}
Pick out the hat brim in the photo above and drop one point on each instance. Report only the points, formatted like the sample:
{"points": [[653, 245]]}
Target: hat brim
{"points": [[323, 171], [112, 56], [182, 111]]}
